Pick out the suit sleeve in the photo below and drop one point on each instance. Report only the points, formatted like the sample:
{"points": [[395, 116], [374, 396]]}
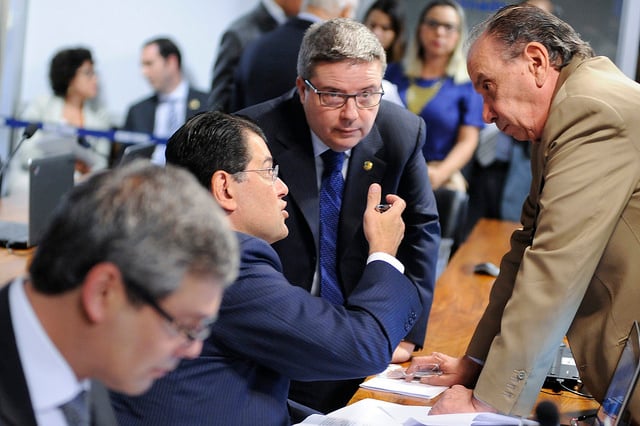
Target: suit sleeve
{"points": [[533, 303], [223, 71], [266, 319]]}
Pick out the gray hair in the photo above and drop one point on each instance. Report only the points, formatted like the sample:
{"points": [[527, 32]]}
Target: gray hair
{"points": [[457, 65], [516, 25], [338, 40], [155, 224]]}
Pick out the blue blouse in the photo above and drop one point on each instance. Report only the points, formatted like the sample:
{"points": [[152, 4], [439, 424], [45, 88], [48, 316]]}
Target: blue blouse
{"points": [[453, 106]]}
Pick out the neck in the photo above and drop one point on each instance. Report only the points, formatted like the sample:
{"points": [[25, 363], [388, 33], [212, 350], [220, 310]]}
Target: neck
{"points": [[434, 67], [172, 84]]}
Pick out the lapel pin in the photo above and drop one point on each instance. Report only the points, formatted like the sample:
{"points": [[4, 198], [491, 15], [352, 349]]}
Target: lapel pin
{"points": [[194, 104], [368, 165]]}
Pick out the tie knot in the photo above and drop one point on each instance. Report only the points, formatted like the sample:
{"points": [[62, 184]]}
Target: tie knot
{"points": [[76, 411], [332, 160]]}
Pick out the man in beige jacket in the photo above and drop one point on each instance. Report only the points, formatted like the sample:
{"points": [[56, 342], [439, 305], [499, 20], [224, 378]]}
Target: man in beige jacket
{"points": [[573, 268]]}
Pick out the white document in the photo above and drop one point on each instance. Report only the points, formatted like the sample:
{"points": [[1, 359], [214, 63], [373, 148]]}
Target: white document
{"points": [[372, 412], [402, 387]]}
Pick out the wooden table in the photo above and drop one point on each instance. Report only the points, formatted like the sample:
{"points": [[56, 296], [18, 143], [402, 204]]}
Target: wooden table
{"points": [[460, 298], [13, 262]]}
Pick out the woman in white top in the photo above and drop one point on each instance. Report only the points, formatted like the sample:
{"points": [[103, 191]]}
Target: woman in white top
{"points": [[74, 83]]}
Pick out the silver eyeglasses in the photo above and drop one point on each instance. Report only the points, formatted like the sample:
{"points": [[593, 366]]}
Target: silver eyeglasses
{"points": [[199, 332], [270, 173], [363, 100]]}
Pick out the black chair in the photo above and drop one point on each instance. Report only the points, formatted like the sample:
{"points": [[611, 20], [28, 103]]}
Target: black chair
{"points": [[452, 209]]}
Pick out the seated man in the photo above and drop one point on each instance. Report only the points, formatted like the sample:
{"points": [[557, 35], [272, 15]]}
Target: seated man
{"points": [[124, 283], [270, 331]]}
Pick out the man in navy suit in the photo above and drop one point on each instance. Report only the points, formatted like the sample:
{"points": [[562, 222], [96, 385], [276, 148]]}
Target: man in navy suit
{"points": [[336, 105], [174, 101], [268, 330], [267, 67], [124, 283], [266, 16]]}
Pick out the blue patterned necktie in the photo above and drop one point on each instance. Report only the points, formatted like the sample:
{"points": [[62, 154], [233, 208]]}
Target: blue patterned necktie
{"points": [[76, 411], [330, 201]]}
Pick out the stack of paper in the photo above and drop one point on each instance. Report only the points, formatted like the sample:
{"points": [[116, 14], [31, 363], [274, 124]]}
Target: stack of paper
{"points": [[402, 387], [372, 412]]}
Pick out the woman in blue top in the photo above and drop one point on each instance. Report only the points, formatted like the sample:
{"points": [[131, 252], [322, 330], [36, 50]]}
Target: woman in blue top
{"points": [[433, 82]]}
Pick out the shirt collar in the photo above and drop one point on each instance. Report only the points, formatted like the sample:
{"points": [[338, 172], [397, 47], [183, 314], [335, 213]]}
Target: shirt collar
{"points": [[319, 147], [49, 377], [179, 93], [275, 11]]}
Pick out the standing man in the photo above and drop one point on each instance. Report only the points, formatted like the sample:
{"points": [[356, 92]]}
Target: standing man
{"points": [[273, 56], [125, 282], [173, 102], [573, 268], [266, 16], [270, 331], [336, 117]]}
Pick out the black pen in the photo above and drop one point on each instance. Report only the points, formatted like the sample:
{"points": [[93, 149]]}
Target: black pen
{"points": [[575, 420]]}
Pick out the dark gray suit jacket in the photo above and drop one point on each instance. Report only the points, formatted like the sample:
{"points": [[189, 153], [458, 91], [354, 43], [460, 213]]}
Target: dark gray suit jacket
{"points": [[15, 402], [241, 31]]}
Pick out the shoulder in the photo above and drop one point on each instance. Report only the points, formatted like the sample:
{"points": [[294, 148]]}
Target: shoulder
{"points": [[144, 103]]}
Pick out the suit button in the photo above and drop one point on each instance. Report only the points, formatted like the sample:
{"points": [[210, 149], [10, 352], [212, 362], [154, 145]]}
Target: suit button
{"points": [[521, 375]]}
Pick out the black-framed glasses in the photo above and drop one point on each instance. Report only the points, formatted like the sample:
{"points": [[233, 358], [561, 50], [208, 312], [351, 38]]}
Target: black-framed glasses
{"points": [[363, 100], [432, 24], [270, 173], [198, 333]]}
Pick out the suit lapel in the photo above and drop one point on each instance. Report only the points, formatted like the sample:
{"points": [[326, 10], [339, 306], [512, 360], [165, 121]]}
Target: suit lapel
{"points": [[365, 167], [15, 402]]}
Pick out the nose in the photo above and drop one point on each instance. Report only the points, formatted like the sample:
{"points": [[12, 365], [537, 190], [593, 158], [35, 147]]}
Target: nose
{"points": [[488, 115], [281, 188], [190, 349], [350, 109]]}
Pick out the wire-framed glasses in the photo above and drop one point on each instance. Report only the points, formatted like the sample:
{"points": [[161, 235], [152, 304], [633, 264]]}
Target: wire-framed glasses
{"points": [[270, 173], [363, 100]]}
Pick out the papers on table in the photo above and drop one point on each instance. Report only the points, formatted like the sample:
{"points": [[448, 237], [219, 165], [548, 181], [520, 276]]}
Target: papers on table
{"points": [[372, 412], [400, 386]]}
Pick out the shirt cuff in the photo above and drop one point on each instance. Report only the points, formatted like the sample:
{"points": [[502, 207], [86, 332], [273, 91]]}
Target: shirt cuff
{"points": [[386, 257]]}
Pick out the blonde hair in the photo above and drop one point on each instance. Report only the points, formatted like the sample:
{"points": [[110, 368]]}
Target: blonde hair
{"points": [[457, 66]]}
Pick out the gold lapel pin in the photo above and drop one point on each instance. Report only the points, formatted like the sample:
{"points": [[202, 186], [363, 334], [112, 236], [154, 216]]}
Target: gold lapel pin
{"points": [[368, 165], [194, 104]]}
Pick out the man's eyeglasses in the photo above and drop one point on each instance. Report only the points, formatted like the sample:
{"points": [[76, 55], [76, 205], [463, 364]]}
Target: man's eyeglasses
{"points": [[363, 100], [432, 24], [270, 173], [198, 333]]}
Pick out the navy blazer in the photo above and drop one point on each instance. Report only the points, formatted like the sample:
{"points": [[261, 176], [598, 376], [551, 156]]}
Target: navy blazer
{"points": [[391, 155], [15, 402], [141, 116], [269, 332], [267, 67]]}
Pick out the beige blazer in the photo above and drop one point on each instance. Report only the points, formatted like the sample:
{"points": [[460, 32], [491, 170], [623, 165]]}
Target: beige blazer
{"points": [[574, 268]]}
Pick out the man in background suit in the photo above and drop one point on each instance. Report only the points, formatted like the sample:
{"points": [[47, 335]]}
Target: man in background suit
{"points": [[174, 100], [266, 16], [337, 106], [270, 331], [267, 67], [573, 267], [124, 283]]}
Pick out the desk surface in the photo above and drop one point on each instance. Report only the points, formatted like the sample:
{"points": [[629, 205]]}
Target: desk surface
{"points": [[460, 298], [13, 262]]}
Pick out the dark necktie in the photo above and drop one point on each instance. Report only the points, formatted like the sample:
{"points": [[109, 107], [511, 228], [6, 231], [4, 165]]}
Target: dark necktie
{"points": [[76, 411], [330, 201]]}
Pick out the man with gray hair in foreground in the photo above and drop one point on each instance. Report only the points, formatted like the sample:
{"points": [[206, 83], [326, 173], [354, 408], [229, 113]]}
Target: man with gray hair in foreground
{"points": [[125, 282]]}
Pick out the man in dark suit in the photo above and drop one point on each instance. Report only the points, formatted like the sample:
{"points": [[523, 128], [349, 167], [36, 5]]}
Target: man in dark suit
{"points": [[266, 16], [124, 283], [267, 67], [268, 330], [337, 106], [174, 100]]}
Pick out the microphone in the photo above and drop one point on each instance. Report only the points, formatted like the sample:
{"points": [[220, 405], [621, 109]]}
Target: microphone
{"points": [[547, 414], [29, 131]]}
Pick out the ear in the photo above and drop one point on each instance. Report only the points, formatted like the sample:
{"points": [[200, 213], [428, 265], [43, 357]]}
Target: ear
{"points": [[102, 289], [223, 189], [302, 88], [538, 61]]}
